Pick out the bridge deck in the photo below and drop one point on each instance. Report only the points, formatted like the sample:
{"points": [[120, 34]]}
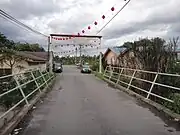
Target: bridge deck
{"points": [[80, 104]]}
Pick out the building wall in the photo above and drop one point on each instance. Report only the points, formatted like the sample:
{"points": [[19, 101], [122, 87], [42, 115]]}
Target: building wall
{"points": [[128, 60], [23, 66], [111, 58]]}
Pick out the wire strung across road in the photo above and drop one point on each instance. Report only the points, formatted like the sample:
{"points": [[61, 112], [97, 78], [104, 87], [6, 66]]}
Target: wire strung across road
{"points": [[113, 17], [6, 16]]}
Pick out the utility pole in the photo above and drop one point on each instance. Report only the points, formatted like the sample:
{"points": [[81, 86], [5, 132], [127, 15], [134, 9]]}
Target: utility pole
{"points": [[100, 59], [80, 51], [48, 62], [76, 56]]}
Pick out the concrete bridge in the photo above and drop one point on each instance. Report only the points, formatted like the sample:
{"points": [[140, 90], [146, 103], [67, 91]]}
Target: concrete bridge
{"points": [[81, 104]]}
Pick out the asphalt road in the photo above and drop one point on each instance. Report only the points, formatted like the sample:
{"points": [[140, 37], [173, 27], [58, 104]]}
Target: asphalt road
{"points": [[81, 104]]}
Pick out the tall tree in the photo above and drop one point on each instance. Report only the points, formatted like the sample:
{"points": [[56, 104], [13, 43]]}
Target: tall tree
{"points": [[29, 47], [10, 58], [5, 43]]}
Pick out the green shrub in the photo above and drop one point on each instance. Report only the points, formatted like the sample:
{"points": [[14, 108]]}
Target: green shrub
{"points": [[176, 105], [15, 96], [95, 66]]}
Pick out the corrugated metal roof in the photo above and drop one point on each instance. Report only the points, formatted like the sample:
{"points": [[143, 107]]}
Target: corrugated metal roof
{"points": [[33, 56], [118, 50]]}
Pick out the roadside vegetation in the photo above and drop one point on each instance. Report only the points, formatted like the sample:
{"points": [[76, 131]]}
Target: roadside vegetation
{"points": [[8, 55], [156, 55]]}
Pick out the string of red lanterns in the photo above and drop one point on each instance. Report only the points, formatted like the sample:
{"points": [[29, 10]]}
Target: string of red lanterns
{"points": [[89, 27]]}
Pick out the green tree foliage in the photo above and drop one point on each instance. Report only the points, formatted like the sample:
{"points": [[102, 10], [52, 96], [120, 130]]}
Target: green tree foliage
{"points": [[160, 56], [69, 60], [10, 58], [9, 44], [5, 43], [29, 47]]}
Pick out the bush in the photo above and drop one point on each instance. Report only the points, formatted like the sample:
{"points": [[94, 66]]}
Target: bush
{"points": [[176, 105], [95, 66], [15, 96]]}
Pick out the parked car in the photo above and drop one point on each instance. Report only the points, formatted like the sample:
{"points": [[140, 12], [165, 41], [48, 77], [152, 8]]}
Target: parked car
{"points": [[57, 68], [85, 69]]}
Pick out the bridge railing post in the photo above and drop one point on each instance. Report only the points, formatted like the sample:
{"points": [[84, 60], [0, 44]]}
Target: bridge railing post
{"points": [[21, 90], [42, 75], [111, 73], [119, 76], [152, 85], [34, 78], [132, 77], [105, 71]]}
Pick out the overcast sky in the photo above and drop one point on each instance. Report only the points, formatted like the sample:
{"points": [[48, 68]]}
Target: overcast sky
{"points": [[141, 18]]}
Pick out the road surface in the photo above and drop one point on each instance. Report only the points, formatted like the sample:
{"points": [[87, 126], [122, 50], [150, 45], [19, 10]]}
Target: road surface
{"points": [[81, 104]]}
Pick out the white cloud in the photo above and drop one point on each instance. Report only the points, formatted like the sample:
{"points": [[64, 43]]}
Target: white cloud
{"points": [[141, 18]]}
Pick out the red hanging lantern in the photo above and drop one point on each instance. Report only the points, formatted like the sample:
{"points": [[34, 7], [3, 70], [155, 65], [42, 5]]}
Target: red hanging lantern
{"points": [[67, 38], [95, 23], [60, 38], [63, 38], [103, 17], [83, 31], [112, 9], [89, 27]]}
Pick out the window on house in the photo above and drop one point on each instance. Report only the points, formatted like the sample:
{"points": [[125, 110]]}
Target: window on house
{"points": [[5, 71]]}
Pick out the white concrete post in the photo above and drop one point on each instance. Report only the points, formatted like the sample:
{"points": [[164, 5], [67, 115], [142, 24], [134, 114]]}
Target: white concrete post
{"points": [[43, 78], [100, 59], [22, 92], [149, 93], [35, 81], [132, 77], [119, 76]]}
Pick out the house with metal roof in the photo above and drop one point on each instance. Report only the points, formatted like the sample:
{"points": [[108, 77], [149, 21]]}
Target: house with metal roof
{"points": [[111, 55], [28, 61]]}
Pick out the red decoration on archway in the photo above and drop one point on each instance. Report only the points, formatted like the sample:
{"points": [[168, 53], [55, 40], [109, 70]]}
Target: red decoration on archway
{"points": [[112, 9], [83, 31], [89, 27], [103, 17], [95, 23]]}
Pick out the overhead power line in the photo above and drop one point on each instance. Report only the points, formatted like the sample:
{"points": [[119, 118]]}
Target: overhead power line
{"points": [[8, 17], [113, 17]]}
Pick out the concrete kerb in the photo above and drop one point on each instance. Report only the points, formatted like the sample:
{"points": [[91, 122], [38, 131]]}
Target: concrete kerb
{"points": [[166, 111], [18, 118]]}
